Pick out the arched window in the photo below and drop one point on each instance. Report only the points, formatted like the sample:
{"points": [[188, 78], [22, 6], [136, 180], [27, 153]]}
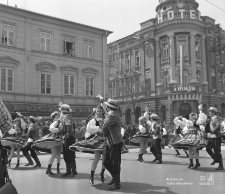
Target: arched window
{"points": [[137, 114], [163, 113], [128, 117], [223, 110]]}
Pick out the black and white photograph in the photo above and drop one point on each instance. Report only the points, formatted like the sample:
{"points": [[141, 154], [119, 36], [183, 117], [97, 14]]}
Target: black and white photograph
{"points": [[112, 96]]}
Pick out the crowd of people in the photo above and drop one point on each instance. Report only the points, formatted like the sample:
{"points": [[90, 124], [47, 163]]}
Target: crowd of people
{"points": [[103, 135]]}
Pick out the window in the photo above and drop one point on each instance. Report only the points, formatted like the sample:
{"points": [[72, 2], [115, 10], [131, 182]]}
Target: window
{"points": [[8, 33], [45, 39], [212, 58], [163, 113], [197, 50], [127, 60], [69, 84], [45, 83], [213, 74], [7, 79], [68, 46], [182, 41], [137, 114], [165, 51], [88, 49], [186, 78], [89, 86], [137, 61], [166, 81]]}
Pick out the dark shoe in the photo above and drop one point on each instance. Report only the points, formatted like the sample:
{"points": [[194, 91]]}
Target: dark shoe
{"points": [[17, 165], [177, 155], [37, 165], [154, 160], [114, 187], [29, 164], [73, 173], [111, 182], [219, 168], [58, 171], [49, 172], [102, 177], [196, 166], [159, 162], [191, 164], [91, 181], [68, 172], [214, 162]]}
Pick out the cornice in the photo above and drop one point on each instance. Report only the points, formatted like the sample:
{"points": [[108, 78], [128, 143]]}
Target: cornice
{"points": [[51, 19], [159, 26]]}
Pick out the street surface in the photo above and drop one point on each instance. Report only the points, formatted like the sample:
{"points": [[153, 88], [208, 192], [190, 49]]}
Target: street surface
{"points": [[171, 177]]}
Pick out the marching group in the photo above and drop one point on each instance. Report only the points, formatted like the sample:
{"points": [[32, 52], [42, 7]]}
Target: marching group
{"points": [[104, 138]]}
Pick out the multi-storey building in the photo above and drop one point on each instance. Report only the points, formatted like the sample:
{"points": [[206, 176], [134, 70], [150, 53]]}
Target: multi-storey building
{"points": [[173, 63], [46, 60]]}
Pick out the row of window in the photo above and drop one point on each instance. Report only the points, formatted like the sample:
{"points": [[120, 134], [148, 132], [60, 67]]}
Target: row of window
{"points": [[181, 41], [7, 83], [128, 61], [8, 39]]}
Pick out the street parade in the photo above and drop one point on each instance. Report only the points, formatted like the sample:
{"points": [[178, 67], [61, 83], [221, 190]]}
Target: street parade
{"points": [[112, 96]]}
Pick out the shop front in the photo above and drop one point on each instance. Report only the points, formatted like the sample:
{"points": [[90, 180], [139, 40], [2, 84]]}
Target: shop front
{"points": [[44, 110]]}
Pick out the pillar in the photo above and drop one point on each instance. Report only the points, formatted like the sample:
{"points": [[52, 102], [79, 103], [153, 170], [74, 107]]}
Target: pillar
{"points": [[193, 59], [158, 68], [204, 67], [173, 80]]}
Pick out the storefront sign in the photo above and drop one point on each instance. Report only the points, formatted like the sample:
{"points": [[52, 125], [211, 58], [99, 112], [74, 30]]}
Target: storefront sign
{"points": [[185, 89], [47, 108]]}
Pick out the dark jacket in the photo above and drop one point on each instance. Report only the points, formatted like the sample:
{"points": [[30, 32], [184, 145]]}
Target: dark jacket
{"points": [[67, 125], [112, 128], [32, 131]]}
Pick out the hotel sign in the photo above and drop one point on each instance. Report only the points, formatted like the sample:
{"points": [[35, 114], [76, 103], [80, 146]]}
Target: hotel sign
{"points": [[185, 89], [171, 15]]}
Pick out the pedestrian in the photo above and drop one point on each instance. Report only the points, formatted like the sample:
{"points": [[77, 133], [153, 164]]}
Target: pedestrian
{"points": [[93, 128], [212, 130], [156, 134], [56, 150], [32, 130], [112, 130], [69, 139], [144, 129], [194, 137], [45, 129], [164, 135]]}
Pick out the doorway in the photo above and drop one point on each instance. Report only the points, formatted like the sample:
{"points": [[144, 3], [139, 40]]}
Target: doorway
{"points": [[185, 110]]}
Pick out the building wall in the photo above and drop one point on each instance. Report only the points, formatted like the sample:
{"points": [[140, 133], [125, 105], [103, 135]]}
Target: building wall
{"points": [[28, 61]]}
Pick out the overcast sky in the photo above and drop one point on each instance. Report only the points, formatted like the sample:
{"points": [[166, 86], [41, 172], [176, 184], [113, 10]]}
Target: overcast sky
{"points": [[123, 17]]}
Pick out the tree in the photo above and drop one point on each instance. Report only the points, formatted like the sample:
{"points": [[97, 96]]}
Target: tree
{"points": [[127, 87]]}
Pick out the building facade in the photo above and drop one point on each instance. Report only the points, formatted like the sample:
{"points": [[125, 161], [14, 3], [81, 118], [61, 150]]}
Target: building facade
{"points": [[46, 60], [174, 63]]}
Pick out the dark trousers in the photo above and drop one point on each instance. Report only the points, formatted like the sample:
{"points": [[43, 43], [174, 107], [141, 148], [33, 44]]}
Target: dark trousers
{"points": [[2, 172], [33, 154], [156, 149], [112, 159], [68, 155], [214, 148]]}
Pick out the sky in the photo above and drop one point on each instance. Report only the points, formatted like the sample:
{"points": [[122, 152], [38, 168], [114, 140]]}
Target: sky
{"points": [[123, 17]]}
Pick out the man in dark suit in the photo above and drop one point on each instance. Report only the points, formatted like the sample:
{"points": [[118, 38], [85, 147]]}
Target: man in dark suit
{"points": [[212, 130]]}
